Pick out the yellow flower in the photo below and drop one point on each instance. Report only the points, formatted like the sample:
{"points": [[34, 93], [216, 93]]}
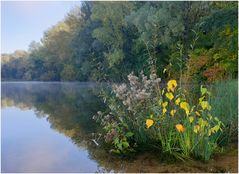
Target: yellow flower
{"points": [[180, 127], [169, 96], [173, 112], [172, 84], [149, 123], [197, 113], [165, 104], [164, 110], [185, 106], [177, 101], [205, 105], [196, 128]]}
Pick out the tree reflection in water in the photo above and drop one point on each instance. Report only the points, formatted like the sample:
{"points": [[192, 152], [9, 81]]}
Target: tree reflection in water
{"points": [[69, 108]]}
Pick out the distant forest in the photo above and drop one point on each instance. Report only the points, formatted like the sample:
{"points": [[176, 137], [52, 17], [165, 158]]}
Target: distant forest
{"points": [[105, 41]]}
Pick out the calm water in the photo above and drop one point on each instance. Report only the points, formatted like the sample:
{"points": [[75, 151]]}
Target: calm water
{"points": [[47, 127]]}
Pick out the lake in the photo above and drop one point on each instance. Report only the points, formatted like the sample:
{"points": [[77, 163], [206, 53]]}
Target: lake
{"points": [[48, 127]]}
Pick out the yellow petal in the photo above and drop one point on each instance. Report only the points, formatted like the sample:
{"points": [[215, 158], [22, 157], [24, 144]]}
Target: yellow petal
{"points": [[185, 106], [164, 110], [165, 104], [187, 112], [180, 128], [173, 112], [169, 96], [204, 105], [172, 84], [149, 123], [177, 101]]}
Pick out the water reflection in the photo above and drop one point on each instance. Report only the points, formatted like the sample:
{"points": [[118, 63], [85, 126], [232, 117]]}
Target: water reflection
{"points": [[28, 145], [46, 127]]}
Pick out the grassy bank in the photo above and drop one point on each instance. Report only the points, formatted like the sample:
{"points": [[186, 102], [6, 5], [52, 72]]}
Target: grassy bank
{"points": [[184, 122], [224, 102]]}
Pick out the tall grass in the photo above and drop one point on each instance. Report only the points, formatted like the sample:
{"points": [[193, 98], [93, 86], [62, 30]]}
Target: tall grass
{"points": [[224, 102]]}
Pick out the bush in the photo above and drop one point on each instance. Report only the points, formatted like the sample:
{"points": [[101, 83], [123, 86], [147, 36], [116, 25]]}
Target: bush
{"points": [[144, 113]]}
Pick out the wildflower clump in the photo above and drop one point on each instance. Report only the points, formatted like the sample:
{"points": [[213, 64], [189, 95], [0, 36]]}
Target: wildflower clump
{"points": [[187, 130], [164, 116]]}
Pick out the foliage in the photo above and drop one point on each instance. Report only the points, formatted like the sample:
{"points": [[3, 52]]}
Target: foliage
{"points": [[129, 107], [14, 65], [161, 116], [215, 57], [108, 40], [68, 73]]}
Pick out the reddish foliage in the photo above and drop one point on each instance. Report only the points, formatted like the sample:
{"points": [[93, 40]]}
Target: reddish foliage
{"points": [[198, 62], [214, 73]]}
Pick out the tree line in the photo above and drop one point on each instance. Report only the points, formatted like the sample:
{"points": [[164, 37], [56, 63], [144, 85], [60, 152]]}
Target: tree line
{"points": [[105, 41]]}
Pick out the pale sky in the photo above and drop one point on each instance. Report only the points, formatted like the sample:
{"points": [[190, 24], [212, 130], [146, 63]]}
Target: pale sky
{"points": [[25, 21]]}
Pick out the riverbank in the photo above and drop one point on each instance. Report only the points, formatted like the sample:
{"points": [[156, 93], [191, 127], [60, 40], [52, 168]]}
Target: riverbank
{"points": [[150, 163]]}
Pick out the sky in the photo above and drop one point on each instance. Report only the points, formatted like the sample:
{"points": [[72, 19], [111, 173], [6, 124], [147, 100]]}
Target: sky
{"points": [[25, 21]]}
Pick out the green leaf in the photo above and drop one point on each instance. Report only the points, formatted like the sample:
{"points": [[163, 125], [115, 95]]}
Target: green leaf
{"points": [[191, 119], [217, 127], [209, 93], [125, 125], [116, 140], [125, 144], [129, 134], [203, 90], [215, 118], [115, 151], [120, 146], [201, 99]]}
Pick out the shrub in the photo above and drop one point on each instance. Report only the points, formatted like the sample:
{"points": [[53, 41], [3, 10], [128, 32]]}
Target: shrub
{"points": [[144, 113], [127, 109]]}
